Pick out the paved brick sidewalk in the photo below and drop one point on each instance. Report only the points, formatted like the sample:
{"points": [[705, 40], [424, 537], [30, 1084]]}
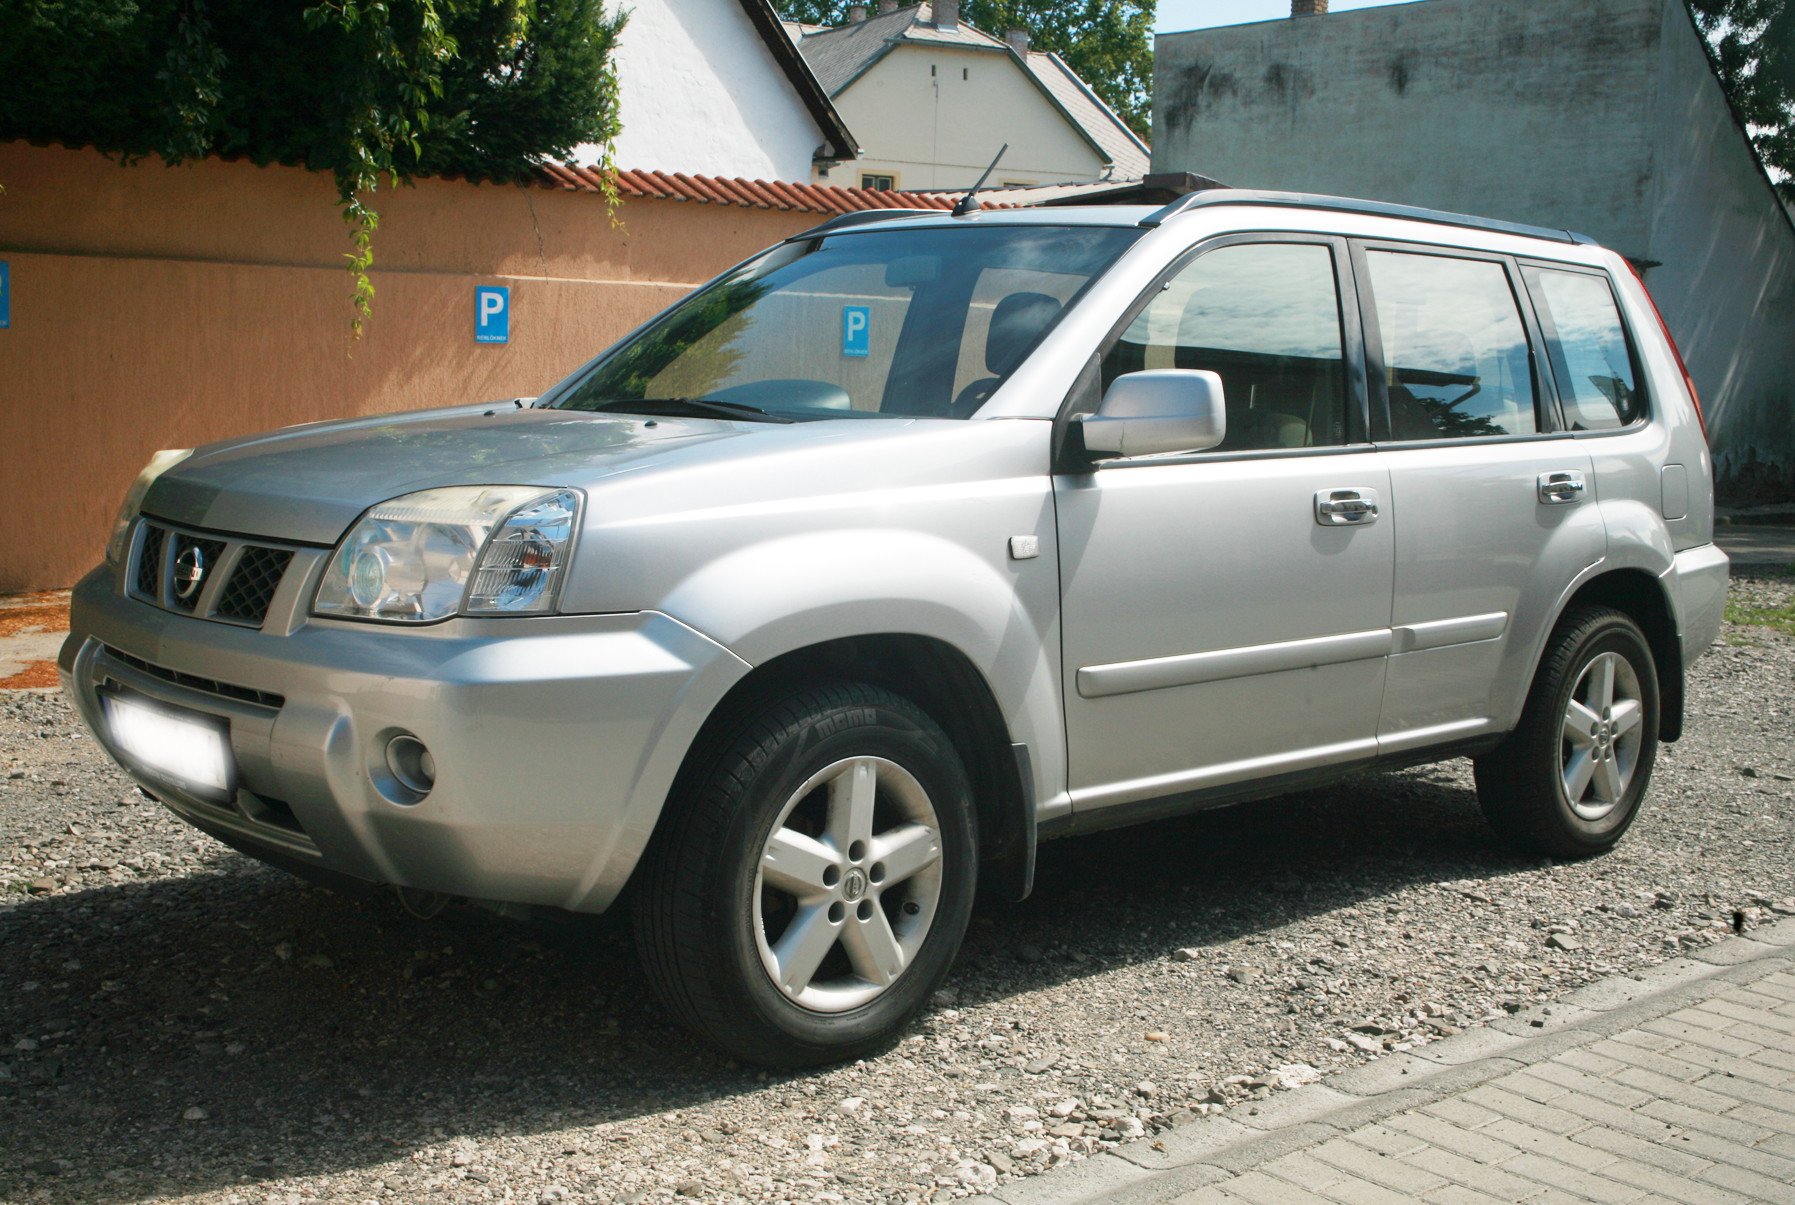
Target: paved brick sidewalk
{"points": [[1674, 1085], [32, 628]]}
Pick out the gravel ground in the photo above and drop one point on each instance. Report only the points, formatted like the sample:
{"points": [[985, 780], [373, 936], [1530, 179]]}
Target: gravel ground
{"points": [[178, 1022]]}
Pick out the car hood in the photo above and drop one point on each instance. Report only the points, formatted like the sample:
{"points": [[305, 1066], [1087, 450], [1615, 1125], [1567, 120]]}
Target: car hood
{"points": [[308, 484]]}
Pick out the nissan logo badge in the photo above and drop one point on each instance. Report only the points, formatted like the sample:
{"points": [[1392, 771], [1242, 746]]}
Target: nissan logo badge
{"points": [[190, 572]]}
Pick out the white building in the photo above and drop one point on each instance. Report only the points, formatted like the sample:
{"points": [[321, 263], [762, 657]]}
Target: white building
{"points": [[931, 100], [715, 88]]}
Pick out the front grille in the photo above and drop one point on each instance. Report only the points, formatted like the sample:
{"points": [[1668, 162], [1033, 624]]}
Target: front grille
{"points": [[149, 562], [210, 686], [181, 571], [252, 583], [196, 558]]}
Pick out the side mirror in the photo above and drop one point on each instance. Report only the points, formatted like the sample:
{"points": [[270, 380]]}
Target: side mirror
{"points": [[1155, 412]]}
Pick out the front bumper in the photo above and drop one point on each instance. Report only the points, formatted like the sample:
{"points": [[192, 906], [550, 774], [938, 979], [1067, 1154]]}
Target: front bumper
{"points": [[556, 739]]}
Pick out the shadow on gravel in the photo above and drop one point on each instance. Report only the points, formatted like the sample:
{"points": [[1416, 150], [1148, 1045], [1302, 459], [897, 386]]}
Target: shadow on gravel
{"points": [[322, 1034]]}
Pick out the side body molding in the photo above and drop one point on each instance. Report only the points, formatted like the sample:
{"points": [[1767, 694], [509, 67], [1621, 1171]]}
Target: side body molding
{"points": [[1127, 677]]}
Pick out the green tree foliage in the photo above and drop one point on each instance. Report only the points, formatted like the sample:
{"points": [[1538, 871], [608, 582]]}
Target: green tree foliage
{"points": [[1752, 43], [1109, 43], [372, 91]]}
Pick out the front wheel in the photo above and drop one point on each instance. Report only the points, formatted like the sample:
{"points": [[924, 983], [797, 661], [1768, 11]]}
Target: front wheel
{"points": [[1568, 781], [813, 878]]}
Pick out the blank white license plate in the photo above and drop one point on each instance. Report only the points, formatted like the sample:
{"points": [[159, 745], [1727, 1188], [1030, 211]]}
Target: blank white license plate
{"points": [[188, 749]]}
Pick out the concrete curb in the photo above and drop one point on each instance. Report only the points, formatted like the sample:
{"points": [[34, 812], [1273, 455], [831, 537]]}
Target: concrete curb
{"points": [[1780, 517], [1217, 1148]]}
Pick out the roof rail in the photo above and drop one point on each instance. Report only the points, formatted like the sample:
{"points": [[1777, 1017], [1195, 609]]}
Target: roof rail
{"points": [[862, 217], [1381, 209]]}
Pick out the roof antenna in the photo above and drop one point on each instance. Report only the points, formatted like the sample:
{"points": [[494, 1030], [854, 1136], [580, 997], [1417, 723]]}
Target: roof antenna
{"points": [[970, 201]]}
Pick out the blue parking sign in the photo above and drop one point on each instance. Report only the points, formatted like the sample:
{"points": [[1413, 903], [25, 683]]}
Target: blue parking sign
{"points": [[5, 296], [856, 330], [492, 314]]}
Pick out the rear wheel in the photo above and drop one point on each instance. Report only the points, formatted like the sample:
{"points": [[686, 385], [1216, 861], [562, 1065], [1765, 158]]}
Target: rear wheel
{"points": [[813, 878], [1569, 780]]}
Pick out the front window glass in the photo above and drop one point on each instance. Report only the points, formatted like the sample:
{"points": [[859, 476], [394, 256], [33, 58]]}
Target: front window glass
{"points": [[1266, 318], [1588, 349], [921, 322], [1455, 351]]}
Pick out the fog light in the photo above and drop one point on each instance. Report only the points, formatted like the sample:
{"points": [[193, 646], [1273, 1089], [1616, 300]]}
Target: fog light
{"points": [[411, 763]]}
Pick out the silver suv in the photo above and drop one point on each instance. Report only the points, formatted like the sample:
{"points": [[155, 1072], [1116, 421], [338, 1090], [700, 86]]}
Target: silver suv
{"points": [[819, 600]]}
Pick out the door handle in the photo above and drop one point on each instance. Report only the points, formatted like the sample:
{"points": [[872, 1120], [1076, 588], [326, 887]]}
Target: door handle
{"points": [[1560, 488], [1351, 507]]}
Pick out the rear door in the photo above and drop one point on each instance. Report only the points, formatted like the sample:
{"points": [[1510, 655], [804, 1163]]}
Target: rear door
{"points": [[1218, 625], [1492, 499]]}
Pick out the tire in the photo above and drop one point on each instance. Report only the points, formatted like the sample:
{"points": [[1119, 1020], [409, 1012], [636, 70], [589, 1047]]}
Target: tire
{"points": [[810, 848], [1568, 781]]}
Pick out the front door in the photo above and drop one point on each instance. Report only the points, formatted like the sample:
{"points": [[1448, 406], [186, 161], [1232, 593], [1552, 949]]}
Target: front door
{"points": [[1226, 614]]}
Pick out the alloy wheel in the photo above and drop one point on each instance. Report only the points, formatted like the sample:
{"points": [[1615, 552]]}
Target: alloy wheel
{"points": [[848, 884], [1601, 733]]}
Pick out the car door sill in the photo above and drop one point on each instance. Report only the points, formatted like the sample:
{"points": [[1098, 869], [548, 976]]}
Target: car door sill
{"points": [[1182, 782], [1196, 791]]}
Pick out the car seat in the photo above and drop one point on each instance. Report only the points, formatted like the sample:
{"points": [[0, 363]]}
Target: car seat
{"points": [[1016, 323]]}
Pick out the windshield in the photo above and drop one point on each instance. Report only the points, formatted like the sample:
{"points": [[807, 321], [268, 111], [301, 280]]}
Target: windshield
{"points": [[920, 322]]}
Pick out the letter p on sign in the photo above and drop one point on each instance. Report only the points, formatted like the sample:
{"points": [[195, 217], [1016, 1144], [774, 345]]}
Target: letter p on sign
{"points": [[856, 330], [492, 314]]}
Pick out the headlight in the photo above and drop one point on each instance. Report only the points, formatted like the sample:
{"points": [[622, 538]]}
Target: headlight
{"points": [[474, 550], [159, 464]]}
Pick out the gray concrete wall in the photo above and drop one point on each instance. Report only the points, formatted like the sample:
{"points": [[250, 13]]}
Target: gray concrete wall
{"points": [[1726, 283], [1428, 104], [1593, 115]]}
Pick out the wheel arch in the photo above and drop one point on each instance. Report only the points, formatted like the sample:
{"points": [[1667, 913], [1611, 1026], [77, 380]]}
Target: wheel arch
{"points": [[942, 680], [1641, 597]]}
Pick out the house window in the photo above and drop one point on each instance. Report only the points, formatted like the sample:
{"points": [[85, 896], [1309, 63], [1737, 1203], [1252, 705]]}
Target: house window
{"points": [[875, 180]]}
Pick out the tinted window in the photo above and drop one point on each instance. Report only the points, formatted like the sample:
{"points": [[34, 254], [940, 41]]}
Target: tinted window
{"points": [[1266, 317], [1588, 348], [1455, 351]]}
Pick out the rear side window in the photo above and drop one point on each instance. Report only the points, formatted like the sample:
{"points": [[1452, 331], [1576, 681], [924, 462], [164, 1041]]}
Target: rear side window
{"points": [[1266, 318], [1455, 349], [1588, 348]]}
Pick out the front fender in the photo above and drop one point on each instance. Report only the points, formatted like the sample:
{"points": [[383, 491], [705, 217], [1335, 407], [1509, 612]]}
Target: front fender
{"points": [[796, 591]]}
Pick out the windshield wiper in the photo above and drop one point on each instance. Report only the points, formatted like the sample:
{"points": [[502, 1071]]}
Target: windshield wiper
{"points": [[692, 407]]}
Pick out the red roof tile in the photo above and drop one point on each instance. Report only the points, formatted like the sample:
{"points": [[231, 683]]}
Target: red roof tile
{"points": [[749, 194]]}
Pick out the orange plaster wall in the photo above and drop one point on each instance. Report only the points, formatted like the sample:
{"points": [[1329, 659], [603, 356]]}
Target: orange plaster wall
{"points": [[159, 307]]}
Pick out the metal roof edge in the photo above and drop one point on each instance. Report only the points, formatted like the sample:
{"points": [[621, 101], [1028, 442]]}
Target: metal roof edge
{"points": [[785, 52], [1103, 104]]}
